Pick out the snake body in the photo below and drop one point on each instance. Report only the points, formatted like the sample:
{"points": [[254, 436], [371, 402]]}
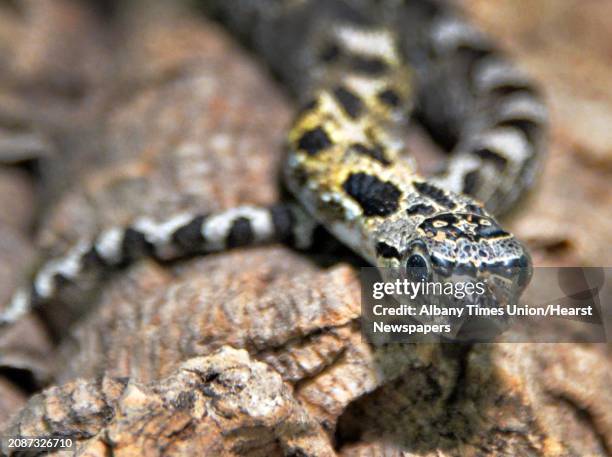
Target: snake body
{"points": [[359, 73]]}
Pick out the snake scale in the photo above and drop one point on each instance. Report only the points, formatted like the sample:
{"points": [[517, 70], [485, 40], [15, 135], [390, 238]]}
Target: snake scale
{"points": [[361, 70]]}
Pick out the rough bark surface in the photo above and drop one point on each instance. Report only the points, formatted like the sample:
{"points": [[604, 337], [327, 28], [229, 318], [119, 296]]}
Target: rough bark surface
{"points": [[223, 405], [510, 399], [259, 351]]}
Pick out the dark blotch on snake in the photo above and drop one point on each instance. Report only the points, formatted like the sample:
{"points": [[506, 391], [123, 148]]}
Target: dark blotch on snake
{"points": [[314, 141], [493, 157], [134, 245], [470, 182], [190, 236], [241, 233], [376, 197], [368, 65], [385, 250], [351, 104], [434, 193], [390, 98], [330, 53], [420, 209], [376, 152]]}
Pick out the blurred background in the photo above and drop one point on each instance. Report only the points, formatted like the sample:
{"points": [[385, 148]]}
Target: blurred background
{"points": [[111, 109]]}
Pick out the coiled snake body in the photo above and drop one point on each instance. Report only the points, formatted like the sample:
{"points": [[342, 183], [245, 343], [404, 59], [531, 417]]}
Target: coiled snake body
{"points": [[357, 81]]}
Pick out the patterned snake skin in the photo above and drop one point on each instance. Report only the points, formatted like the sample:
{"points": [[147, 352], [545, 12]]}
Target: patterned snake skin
{"points": [[361, 69]]}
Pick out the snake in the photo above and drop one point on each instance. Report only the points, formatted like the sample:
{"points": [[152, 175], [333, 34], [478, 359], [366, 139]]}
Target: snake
{"points": [[361, 71]]}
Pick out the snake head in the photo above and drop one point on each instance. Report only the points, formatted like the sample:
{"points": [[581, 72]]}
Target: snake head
{"points": [[469, 245], [464, 248]]}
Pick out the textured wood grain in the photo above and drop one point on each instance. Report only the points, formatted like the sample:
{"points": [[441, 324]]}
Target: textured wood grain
{"points": [[502, 399], [189, 121], [223, 405]]}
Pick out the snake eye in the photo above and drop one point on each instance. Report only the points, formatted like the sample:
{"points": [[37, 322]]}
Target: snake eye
{"points": [[416, 267]]}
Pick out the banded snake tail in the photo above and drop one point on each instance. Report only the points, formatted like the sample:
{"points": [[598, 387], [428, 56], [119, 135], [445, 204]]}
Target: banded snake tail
{"points": [[358, 69]]}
